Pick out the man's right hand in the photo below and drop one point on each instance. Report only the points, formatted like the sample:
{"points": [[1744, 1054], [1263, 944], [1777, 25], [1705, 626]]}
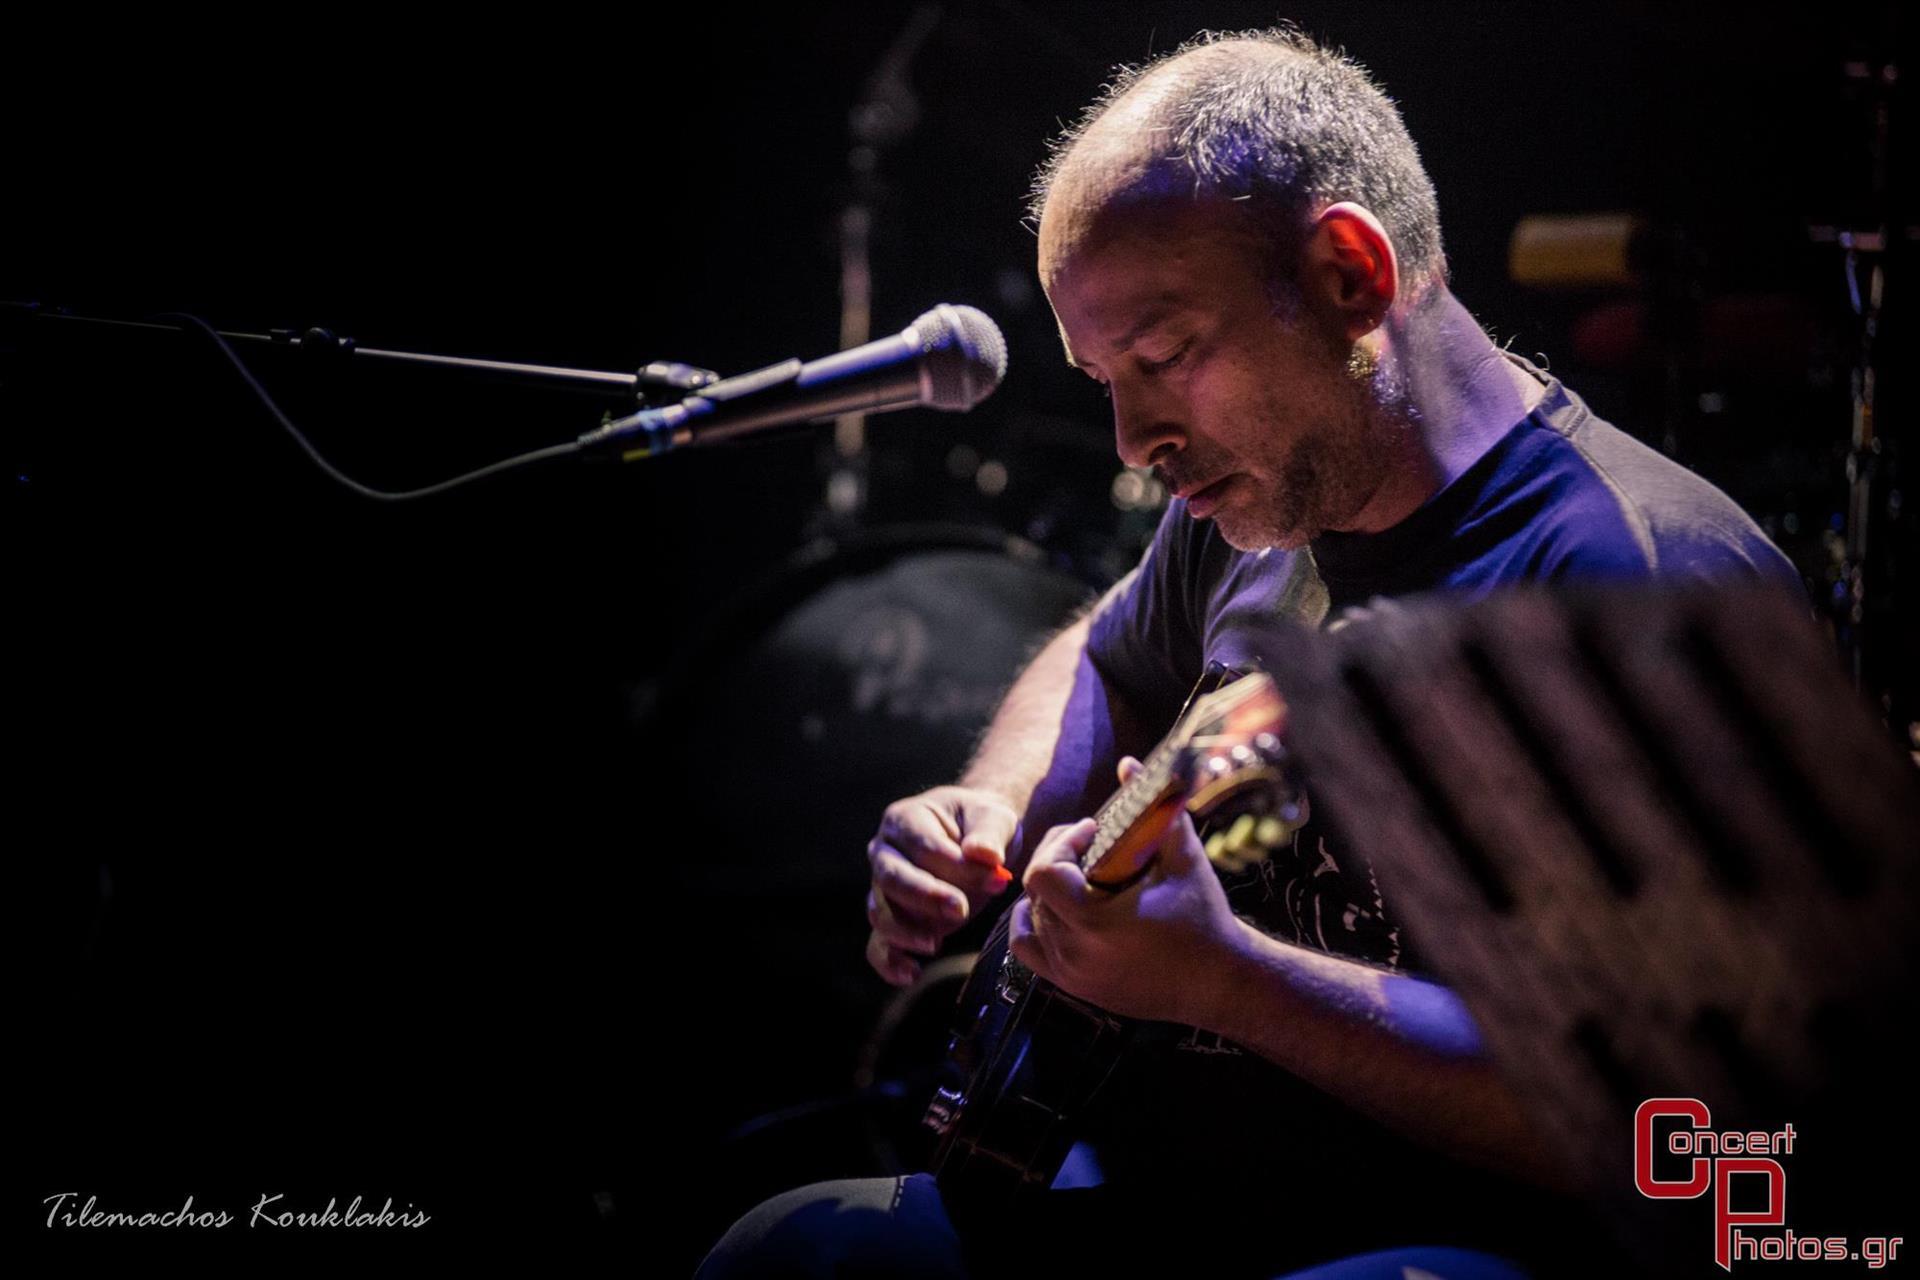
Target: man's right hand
{"points": [[937, 858]]}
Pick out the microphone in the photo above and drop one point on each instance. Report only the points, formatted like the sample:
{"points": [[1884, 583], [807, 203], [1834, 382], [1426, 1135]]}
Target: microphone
{"points": [[950, 358]]}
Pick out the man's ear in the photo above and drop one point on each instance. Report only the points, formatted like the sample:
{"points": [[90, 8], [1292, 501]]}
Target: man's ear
{"points": [[1351, 269]]}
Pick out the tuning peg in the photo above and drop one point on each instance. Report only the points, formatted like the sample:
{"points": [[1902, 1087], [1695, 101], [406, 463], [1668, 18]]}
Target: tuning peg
{"points": [[1234, 849], [1221, 857], [1270, 832], [1251, 839]]}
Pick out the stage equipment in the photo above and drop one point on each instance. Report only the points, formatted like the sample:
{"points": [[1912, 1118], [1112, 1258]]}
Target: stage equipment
{"points": [[951, 358]]}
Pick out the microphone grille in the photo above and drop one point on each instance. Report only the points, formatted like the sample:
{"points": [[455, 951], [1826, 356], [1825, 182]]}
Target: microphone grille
{"points": [[964, 355]]}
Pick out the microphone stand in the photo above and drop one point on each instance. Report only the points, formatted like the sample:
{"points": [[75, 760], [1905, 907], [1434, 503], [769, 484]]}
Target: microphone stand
{"points": [[883, 118], [628, 390], [624, 389]]}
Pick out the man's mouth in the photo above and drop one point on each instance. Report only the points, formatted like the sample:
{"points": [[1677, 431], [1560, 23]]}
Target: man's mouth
{"points": [[1202, 501]]}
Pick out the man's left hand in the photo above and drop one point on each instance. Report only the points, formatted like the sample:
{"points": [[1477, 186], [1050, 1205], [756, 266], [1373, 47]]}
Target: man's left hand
{"points": [[1162, 950]]}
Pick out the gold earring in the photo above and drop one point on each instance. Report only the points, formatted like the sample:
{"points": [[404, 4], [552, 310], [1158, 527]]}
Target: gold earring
{"points": [[1362, 363]]}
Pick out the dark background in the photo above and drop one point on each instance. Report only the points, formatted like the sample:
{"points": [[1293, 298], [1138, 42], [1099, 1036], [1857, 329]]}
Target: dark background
{"points": [[370, 849]]}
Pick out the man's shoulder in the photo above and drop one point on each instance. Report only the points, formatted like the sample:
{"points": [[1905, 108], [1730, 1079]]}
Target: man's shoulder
{"points": [[1622, 507]]}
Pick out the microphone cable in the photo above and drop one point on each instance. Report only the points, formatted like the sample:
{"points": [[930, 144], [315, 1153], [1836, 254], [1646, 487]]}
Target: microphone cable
{"points": [[306, 446]]}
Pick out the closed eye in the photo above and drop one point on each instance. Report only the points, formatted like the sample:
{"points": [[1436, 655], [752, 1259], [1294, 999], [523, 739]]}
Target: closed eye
{"points": [[1161, 366]]}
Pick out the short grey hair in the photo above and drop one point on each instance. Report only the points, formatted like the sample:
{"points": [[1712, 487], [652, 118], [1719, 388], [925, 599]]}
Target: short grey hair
{"points": [[1283, 125]]}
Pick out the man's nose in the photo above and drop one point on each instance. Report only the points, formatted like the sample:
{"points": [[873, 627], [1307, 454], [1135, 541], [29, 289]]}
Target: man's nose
{"points": [[1145, 430]]}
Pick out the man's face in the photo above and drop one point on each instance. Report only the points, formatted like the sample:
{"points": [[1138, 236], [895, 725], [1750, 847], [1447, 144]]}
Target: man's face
{"points": [[1252, 417]]}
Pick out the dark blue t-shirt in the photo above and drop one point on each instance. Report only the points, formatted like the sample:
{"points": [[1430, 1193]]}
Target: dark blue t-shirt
{"points": [[1562, 497]]}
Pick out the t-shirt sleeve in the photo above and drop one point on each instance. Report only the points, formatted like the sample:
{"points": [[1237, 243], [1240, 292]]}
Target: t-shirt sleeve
{"points": [[1698, 554], [1145, 634], [1675, 524]]}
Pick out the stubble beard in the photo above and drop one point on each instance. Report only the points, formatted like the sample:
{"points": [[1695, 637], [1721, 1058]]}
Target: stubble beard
{"points": [[1328, 475]]}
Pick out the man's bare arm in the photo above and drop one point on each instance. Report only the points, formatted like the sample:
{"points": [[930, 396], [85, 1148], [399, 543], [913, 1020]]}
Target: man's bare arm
{"points": [[940, 856], [1054, 742], [1399, 1048]]}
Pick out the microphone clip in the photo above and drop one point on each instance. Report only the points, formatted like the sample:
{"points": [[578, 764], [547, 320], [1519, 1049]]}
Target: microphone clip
{"points": [[651, 432]]}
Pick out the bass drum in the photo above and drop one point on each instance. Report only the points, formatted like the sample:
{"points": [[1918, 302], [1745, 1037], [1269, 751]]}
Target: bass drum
{"points": [[860, 672]]}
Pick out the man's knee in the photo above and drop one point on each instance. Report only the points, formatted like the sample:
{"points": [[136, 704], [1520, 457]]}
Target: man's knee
{"points": [[860, 1226]]}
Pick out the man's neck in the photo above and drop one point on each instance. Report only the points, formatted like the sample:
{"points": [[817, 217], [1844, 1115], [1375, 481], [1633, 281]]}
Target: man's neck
{"points": [[1461, 394]]}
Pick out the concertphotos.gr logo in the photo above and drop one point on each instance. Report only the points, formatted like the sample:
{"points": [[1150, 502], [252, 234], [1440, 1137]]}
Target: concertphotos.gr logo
{"points": [[1719, 1157]]}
